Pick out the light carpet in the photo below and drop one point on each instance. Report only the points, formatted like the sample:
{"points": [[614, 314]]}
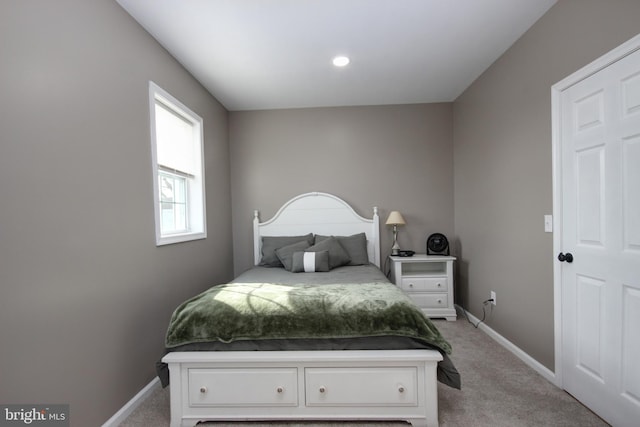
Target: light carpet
{"points": [[498, 389]]}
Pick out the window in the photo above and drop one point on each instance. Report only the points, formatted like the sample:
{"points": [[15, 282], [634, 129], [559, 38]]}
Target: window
{"points": [[178, 169]]}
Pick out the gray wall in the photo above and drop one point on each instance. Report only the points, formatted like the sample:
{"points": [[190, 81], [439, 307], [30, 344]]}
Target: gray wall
{"points": [[85, 295], [392, 157], [502, 167]]}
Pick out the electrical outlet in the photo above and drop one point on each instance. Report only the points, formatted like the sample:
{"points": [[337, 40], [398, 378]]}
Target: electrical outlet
{"points": [[493, 297]]}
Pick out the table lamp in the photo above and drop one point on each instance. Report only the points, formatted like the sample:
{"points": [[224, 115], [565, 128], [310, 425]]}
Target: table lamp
{"points": [[395, 219]]}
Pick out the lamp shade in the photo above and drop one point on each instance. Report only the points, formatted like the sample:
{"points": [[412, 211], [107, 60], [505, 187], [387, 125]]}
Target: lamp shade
{"points": [[395, 218]]}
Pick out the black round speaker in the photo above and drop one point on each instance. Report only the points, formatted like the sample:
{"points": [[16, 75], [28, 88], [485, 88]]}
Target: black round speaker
{"points": [[437, 244]]}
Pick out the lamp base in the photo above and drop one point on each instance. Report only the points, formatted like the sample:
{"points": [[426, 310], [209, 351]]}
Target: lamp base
{"points": [[395, 249]]}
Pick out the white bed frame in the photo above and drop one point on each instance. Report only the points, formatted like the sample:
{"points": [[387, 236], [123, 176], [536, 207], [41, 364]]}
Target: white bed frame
{"points": [[307, 385]]}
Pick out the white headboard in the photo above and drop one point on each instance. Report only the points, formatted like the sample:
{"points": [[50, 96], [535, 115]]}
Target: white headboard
{"points": [[318, 213]]}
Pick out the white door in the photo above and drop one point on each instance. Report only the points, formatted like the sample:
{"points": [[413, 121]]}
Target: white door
{"points": [[600, 231]]}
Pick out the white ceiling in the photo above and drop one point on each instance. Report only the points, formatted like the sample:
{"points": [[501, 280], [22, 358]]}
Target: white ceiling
{"points": [[270, 54]]}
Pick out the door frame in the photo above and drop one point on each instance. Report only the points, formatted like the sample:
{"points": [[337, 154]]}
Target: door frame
{"points": [[604, 61]]}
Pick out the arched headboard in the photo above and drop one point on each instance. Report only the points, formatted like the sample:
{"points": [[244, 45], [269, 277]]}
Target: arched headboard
{"points": [[318, 213]]}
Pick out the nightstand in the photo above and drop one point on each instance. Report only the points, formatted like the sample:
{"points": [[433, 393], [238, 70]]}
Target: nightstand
{"points": [[428, 280]]}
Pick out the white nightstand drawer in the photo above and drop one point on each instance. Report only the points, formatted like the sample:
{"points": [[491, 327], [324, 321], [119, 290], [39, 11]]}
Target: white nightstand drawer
{"points": [[424, 284], [243, 387], [430, 300]]}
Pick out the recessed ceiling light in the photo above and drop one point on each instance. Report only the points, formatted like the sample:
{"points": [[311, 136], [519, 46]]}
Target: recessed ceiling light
{"points": [[340, 61]]}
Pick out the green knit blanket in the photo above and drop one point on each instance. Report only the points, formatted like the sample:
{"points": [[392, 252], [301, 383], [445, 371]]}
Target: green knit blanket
{"points": [[260, 311]]}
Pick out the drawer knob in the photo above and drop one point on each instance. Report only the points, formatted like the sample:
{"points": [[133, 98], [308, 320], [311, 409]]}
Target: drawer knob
{"points": [[401, 389], [439, 301], [280, 389], [322, 389], [411, 285], [203, 389], [439, 285]]}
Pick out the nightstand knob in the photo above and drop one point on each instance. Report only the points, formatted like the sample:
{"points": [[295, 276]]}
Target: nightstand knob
{"points": [[439, 285], [203, 390], [280, 389], [401, 389], [322, 389], [411, 285], [439, 301]]}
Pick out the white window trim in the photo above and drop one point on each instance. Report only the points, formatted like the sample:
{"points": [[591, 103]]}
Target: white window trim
{"points": [[156, 93]]}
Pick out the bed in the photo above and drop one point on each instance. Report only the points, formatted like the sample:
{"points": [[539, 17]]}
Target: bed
{"points": [[314, 332]]}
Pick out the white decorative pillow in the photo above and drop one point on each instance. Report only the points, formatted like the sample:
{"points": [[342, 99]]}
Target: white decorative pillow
{"points": [[310, 262]]}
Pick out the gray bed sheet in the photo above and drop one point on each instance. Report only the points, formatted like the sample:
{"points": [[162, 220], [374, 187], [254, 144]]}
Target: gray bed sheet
{"points": [[346, 274]]}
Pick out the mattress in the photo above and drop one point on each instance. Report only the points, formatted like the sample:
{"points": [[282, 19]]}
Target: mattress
{"points": [[271, 309]]}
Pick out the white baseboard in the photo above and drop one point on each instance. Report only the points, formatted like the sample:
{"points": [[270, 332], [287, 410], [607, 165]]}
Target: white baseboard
{"points": [[517, 351], [131, 405]]}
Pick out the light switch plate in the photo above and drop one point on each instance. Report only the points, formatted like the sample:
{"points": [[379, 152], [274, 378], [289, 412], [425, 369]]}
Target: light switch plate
{"points": [[548, 223]]}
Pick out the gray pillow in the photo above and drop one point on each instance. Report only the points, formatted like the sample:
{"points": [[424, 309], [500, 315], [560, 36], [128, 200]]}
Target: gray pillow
{"points": [[271, 243], [310, 262], [285, 253], [337, 255], [355, 245]]}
